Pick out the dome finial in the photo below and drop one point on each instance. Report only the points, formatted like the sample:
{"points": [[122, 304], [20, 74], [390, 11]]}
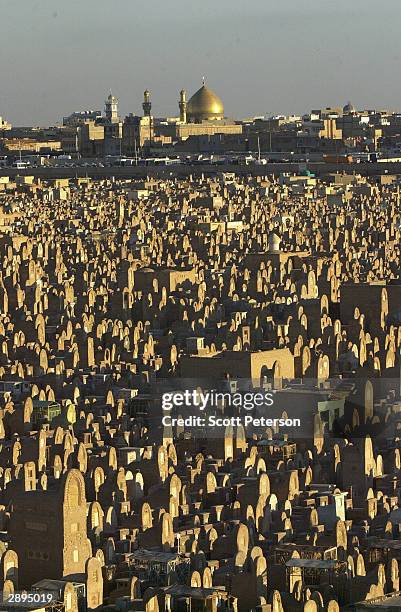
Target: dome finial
{"points": [[203, 80]]}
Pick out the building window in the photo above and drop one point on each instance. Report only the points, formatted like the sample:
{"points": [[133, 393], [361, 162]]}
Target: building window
{"points": [[75, 555]]}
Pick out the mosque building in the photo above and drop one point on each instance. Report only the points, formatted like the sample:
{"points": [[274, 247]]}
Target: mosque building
{"points": [[201, 115]]}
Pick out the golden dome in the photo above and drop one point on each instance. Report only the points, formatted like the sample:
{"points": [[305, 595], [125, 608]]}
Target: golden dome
{"points": [[205, 106]]}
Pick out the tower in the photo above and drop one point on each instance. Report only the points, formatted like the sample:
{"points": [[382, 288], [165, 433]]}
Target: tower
{"points": [[111, 109], [183, 106], [146, 105]]}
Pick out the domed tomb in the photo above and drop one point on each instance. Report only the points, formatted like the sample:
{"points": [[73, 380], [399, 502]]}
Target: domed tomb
{"points": [[205, 105]]}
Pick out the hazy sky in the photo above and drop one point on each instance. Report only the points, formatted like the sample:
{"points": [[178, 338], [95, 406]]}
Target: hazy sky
{"points": [[260, 56]]}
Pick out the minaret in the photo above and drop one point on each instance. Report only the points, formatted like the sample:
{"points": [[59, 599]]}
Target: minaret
{"points": [[146, 105], [183, 106], [111, 109]]}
